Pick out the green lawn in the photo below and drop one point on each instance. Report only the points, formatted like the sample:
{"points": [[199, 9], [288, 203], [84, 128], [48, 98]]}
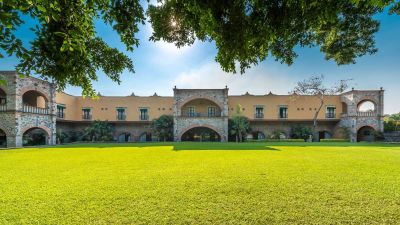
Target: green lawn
{"points": [[201, 183]]}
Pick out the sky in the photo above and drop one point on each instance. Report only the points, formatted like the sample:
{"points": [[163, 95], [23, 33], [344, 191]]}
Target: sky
{"points": [[159, 66]]}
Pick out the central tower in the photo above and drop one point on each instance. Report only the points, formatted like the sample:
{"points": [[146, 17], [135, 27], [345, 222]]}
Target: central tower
{"points": [[200, 113]]}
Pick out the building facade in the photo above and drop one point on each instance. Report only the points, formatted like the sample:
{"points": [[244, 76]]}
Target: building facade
{"points": [[28, 105]]}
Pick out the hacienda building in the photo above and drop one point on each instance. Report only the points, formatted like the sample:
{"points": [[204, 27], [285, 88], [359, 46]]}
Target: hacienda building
{"points": [[28, 104]]}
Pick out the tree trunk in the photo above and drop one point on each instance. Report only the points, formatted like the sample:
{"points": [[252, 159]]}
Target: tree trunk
{"points": [[316, 117]]}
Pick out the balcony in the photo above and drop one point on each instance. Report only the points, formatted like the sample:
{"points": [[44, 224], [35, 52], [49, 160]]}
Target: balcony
{"points": [[259, 115], [3, 108], [367, 114], [121, 117], [283, 115], [217, 114], [144, 117], [60, 115], [35, 110], [330, 115], [86, 117]]}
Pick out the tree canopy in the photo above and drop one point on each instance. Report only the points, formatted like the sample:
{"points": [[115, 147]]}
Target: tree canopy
{"points": [[67, 49]]}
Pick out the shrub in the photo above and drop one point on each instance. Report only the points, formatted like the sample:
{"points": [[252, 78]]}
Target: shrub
{"points": [[278, 134], [279, 140], [334, 140], [302, 132]]}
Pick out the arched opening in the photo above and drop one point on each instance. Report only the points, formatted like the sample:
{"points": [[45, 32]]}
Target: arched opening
{"points": [[366, 106], [124, 137], [3, 139], [344, 107], [324, 135], [145, 137], [35, 136], [258, 135], [201, 108], [34, 99], [3, 97], [201, 134], [366, 133]]}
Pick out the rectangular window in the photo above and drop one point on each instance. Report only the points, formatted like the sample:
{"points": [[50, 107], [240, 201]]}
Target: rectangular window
{"points": [[191, 111], [330, 112], [283, 112], [60, 111], [86, 114], [121, 114], [212, 111], [144, 114], [259, 112]]}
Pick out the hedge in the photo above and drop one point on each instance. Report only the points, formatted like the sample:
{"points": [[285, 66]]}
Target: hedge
{"points": [[279, 140], [334, 140]]}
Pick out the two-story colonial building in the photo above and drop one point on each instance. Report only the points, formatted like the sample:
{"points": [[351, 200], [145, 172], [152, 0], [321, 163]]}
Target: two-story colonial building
{"points": [[28, 104]]}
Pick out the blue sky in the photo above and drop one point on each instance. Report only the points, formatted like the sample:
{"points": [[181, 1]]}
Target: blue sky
{"points": [[160, 66]]}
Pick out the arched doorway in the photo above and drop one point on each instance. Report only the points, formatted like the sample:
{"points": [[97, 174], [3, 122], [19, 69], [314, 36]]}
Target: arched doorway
{"points": [[35, 136], [324, 135], [145, 137], [258, 135], [124, 137], [201, 134], [366, 133], [3, 139]]}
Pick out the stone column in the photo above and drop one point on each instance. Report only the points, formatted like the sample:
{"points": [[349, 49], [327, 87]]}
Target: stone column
{"points": [[14, 141]]}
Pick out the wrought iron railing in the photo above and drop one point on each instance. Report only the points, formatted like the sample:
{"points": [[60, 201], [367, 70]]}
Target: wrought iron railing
{"points": [[60, 115], [330, 115], [121, 117], [144, 117], [86, 117], [259, 115]]}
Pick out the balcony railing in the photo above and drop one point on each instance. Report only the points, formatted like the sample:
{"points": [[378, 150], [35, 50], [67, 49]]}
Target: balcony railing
{"points": [[86, 117], [259, 115], [216, 114], [36, 110], [144, 117], [60, 115], [330, 115], [283, 115], [121, 117], [367, 114], [3, 108]]}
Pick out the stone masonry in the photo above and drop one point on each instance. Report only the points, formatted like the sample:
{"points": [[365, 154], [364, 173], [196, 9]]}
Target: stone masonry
{"points": [[183, 124], [354, 119], [15, 120]]}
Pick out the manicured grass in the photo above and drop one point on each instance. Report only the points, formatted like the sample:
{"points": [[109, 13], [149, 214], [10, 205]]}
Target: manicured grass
{"points": [[201, 183]]}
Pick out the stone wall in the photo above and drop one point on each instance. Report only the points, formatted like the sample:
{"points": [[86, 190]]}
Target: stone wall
{"points": [[392, 136], [354, 120], [14, 121], [183, 124]]}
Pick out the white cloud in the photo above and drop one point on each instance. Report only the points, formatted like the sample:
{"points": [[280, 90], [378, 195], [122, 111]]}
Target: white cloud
{"points": [[255, 80]]}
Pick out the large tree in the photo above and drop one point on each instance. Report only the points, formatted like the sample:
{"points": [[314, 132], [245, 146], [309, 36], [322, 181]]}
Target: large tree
{"points": [[315, 86], [67, 49], [239, 125], [163, 127]]}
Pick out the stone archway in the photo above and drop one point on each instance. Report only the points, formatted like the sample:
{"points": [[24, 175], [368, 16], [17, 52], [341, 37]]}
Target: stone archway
{"points": [[124, 137], [366, 133], [145, 137], [35, 136], [201, 133], [258, 135], [3, 139]]}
